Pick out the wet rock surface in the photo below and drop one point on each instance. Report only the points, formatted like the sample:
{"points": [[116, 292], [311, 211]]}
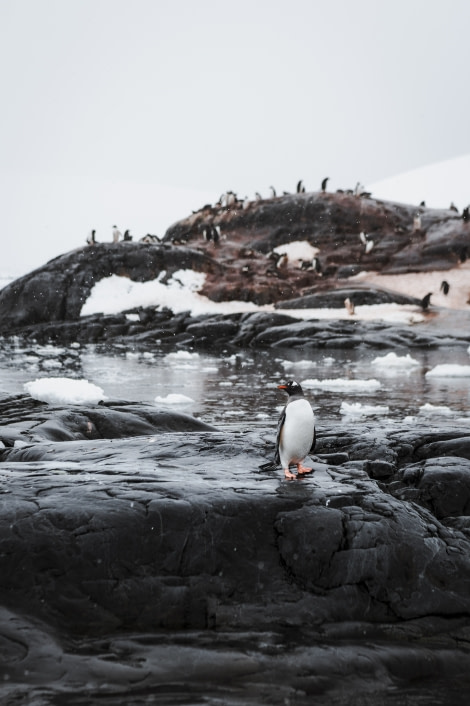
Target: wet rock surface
{"points": [[260, 330], [165, 563]]}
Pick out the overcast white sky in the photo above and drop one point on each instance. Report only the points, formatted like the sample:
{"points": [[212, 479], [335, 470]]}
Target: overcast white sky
{"points": [[102, 96]]}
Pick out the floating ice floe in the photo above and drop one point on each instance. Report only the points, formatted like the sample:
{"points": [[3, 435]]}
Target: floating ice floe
{"points": [[429, 409], [64, 391], [181, 355], [449, 370], [174, 398], [287, 364], [356, 409], [342, 384], [51, 364], [395, 362]]}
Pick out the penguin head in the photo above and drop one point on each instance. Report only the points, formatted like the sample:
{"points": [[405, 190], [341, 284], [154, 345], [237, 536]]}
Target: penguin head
{"points": [[292, 388]]}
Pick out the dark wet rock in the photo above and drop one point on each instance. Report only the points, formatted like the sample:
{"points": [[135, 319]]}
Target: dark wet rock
{"points": [[172, 548], [58, 290], [106, 420], [358, 295], [442, 484], [259, 330]]}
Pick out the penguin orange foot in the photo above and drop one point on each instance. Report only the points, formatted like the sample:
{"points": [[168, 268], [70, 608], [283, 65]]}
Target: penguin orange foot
{"points": [[295, 431]]}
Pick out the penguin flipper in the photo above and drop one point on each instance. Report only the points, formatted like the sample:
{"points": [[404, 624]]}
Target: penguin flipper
{"points": [[314, 442], [280, 424]]}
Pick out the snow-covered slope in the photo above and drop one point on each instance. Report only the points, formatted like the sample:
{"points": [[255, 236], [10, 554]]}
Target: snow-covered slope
{"points": [[437, 184]]}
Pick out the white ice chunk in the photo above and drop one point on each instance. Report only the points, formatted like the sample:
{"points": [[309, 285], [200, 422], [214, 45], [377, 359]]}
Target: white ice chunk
{"points": [[342, 384], [392, 360], [64, 391], [435, 409], [174, 398], [356, 409], [449, 370]]}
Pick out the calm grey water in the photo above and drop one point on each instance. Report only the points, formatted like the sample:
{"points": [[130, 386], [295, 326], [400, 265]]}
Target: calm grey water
{"points": [[240, 389]]}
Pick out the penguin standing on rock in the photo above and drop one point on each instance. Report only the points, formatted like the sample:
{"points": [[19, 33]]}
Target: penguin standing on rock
{"points": [[295, 431], [426, 301]]}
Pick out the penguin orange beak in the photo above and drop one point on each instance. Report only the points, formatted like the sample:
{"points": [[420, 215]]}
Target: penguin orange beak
{"points": [[282, 387]]}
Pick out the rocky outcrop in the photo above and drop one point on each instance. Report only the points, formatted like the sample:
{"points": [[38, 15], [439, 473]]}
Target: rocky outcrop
{"points": [[260, 330], [240, 265], [57, 291], [184, 533]]}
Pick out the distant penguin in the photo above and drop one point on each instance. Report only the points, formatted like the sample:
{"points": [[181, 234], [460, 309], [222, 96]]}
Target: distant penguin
{"points": [[116, 234], [324, 183], [425, 301], [127, 235], [349, 306], [91, 240], [258, 196], [462, 254], [214, 234], [417, 222], [466, 214], [217, 232], [358, 189], [445, 286], [316, 264], [273, 192], [300, 187], [423, 204], [246, 202], [367, 241], [453, 207], [282, 262]]}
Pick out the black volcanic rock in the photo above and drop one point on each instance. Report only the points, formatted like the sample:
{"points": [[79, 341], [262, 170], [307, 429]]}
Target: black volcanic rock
{"points": [[358, 295], [122, 553], [58, 290]]}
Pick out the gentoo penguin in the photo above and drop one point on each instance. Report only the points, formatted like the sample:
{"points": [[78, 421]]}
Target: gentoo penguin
{"points": [[116, 234], [324, 183], [349, 304], [453, 207], [127, 235], [466, 214], [273, 192], [425, 301], [300, 187], [417, 222], [445, 286], [295, 430], [91, 240]]}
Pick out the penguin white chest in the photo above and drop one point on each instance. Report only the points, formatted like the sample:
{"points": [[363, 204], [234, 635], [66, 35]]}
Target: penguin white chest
{"points": [[297, 432]]}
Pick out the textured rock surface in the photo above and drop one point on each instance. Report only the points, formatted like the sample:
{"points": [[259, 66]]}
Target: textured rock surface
{"points": [[181, 532]]}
